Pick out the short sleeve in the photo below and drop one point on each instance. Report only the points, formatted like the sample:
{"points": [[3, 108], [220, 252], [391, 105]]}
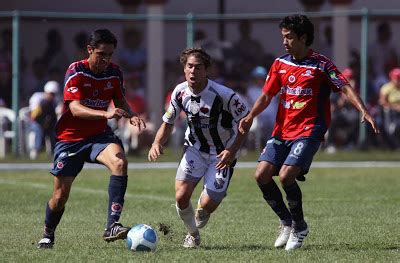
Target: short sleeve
{"points": [[237, 107], [335, 78], [174, 107], [272, 83]]}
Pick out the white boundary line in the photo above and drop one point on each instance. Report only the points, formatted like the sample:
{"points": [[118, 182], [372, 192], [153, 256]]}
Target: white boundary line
{"points": [[174, 165]]}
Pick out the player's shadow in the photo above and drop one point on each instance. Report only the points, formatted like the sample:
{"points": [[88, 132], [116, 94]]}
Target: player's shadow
{"points": [[238, 247], [350, 247]]}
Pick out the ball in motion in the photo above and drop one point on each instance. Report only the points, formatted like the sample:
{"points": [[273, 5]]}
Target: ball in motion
{"points": [[142, 238]]}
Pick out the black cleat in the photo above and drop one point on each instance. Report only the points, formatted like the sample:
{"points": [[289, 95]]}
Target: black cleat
{"points": [[46, 243], [115, 231], [301, 178]]}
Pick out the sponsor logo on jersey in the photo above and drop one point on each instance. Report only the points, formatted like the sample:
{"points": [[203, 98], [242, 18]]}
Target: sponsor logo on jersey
{"points": [[293, 104], [332, 75], [87, 85], [204, 110], [72, 89], [108, 86], [240, 107], [282, 71], [95, 103], [297, 91], [292, 78], [307, 73]]}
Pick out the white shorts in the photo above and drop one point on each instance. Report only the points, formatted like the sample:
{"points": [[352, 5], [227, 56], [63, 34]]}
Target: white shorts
{"points": [[196, 165]]}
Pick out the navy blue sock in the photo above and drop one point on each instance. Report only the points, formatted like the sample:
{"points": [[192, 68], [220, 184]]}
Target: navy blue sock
{"points": [[273, 196], [116, 193], [51, 222], [294, 198]]}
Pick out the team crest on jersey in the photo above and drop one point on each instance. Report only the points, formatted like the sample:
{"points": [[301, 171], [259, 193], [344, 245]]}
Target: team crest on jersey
{"points": [[72, 89], [292, 78], [108, 86], [307, 73], [194, 107], [204, 110], [332, 75]]}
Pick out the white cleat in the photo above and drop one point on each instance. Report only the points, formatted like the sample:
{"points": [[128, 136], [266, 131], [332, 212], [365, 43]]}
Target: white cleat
{"points": [[296, 239], [191, 241], [201, 217], [283, 237]]}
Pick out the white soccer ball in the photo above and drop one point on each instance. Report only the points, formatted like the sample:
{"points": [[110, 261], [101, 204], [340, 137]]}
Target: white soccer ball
{"points": [[142, 238]]}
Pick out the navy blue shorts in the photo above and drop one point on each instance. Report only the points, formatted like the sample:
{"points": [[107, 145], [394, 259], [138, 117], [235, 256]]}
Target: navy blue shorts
{"points": [[299, 152], [69, 157]]}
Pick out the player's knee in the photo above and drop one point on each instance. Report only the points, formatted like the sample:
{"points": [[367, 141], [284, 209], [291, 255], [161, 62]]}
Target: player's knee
{"points": [[182, 198], [58, 201], [262, 175], [119, 166], [286, 178]]}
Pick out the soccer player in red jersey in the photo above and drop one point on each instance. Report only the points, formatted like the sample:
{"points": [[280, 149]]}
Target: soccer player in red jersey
{"points": [[83, 135], [304, 79]]}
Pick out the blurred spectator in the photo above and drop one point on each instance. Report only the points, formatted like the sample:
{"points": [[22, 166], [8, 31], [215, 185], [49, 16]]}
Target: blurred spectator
{"points": [[326, 47], [265, 121], [134, 140], [54, 55], [81, 41], [34, 80], [43, 118], [249, 50], [389, 99], [6, 67], [343, 131], [133, 56], [383, 53]]}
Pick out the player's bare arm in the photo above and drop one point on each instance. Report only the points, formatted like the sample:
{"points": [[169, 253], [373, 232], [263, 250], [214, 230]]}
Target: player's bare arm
{"points": [[162, 135], [135, 120], [81, 111], [353, 97], [261, 103], [227, 156]]}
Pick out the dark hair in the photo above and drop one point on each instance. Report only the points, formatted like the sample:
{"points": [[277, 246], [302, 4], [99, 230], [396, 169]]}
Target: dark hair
{"points": [[196, 52], [300, 25], [102, 36]]}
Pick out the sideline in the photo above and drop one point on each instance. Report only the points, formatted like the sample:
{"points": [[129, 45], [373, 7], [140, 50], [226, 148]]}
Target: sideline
{"points": [[174, 165]]}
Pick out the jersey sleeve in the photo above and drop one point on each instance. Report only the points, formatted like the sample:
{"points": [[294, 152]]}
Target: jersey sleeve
{"points": [[335, 78], [72, 87], [120, 92], [272, 83], [237, 107], [174, 107]]}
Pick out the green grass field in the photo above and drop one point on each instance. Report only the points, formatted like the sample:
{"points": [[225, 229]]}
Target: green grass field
{"points": [[353, 216]]}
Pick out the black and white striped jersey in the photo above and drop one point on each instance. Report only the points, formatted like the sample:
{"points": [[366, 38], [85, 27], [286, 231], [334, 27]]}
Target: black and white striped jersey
{"points": [[212, 115]]}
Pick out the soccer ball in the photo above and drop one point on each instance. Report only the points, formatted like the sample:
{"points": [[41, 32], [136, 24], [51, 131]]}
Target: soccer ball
{"points": [[142, 238]]}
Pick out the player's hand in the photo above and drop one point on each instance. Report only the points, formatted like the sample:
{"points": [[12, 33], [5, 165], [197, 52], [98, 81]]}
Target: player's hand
{"points": [[226, 158], [367, 117], [245, 124], [138, 122], [155, 151], [116, 113]]}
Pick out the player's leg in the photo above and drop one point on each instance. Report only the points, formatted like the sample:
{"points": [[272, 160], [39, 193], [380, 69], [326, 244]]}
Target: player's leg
{"points": [[55, 209], [68, 162], [216, 183], [113, 157], [271, 159], [190, 171], [298, 162]]}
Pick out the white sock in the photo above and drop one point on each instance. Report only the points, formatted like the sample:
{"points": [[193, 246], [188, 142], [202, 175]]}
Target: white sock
{"points": [[187, 216]]}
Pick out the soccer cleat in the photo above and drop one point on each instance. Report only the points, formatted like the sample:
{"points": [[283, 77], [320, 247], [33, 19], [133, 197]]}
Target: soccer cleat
{"points": [[46, 243], [300, 178], [201, 217], [191, 241], [283, 236], [296, 239], [115, 231]]}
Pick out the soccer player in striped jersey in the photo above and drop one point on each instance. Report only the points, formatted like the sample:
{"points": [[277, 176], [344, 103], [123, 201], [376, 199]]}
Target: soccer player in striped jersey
{"points": [[304, 79], [83, 135], [212, 141]]}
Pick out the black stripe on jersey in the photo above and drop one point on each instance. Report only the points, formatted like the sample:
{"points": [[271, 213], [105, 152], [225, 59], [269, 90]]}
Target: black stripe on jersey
{"points": [[204, 147], [215, 112]]}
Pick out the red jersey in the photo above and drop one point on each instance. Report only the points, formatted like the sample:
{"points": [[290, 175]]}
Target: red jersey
{"points": [[305, 87], [93, 91]]}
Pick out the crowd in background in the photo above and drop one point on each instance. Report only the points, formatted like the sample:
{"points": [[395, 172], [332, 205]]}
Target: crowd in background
{"points": [[242, 65]]}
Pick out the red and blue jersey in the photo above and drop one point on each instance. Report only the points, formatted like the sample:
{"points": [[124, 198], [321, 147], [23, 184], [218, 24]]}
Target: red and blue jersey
{"points": [[95, 91], [304, 87]]}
